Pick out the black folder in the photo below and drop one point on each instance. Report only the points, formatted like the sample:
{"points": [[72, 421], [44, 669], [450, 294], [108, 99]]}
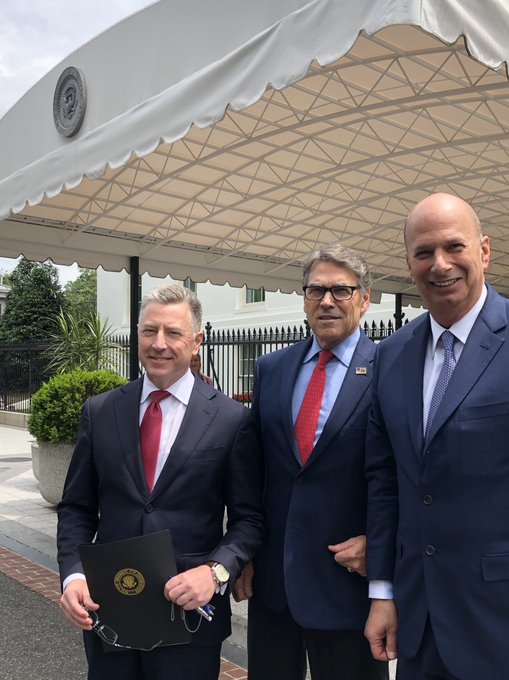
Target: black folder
{"points": [[126, 578]]}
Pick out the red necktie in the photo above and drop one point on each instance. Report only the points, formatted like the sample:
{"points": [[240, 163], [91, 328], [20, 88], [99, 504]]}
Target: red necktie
{"points": [[150, 435], [307, 420]]}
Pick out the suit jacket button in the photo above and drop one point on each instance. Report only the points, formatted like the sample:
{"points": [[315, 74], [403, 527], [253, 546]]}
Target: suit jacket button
{"points": [[148, 508], [430, 550], [427, 499]]}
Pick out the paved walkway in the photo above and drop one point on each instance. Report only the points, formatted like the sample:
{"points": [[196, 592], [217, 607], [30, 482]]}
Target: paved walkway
{"points": [[37, 642]]}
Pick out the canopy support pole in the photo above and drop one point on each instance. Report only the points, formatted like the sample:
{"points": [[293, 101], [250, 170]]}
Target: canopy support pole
{"points": [[134, 284], [399, 315]]}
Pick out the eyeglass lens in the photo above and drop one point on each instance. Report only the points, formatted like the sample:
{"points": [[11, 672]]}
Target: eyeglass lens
{"points": [[337, 292]]}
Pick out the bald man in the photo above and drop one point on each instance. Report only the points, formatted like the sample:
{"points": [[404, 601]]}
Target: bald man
{"points": [[438, 462]]}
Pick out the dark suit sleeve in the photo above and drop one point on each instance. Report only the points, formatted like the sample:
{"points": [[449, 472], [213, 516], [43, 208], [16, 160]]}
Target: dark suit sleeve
{"points": [[78, 511], [243, 490], [382, 518]]}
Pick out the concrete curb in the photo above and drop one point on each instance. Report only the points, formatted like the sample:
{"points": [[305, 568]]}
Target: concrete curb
{"points": [[14, 419]]}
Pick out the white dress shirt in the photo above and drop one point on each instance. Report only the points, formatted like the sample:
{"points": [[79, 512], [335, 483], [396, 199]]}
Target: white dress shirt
{"points": [[173, 410]]}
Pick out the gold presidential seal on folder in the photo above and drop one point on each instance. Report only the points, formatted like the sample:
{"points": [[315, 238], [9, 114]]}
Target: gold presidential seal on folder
{"points": [[129, 581]]}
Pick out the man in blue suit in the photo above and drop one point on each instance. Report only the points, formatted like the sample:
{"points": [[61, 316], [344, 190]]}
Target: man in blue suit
{"points": [[205, 461], [310, 591], [438, 461]]}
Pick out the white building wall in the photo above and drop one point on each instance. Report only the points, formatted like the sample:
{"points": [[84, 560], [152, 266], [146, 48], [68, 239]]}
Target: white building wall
{"points": [[231, 365], [113, 303], [225, 307]]}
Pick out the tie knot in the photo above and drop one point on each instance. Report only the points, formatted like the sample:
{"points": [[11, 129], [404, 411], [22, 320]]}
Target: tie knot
{"points": [[158, 395], [448, 339], [324, 357]]}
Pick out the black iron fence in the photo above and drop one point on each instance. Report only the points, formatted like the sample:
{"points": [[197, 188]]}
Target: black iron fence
{"points": [[228, 358], [23, 369]]}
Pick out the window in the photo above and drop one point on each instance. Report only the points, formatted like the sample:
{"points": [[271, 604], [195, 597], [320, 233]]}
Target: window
{"points": [[255, 295], [189, 283], [248, 354]]}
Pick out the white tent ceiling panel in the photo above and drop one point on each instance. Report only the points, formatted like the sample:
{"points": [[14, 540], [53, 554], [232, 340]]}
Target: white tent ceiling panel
{"points": [[230, 156]]}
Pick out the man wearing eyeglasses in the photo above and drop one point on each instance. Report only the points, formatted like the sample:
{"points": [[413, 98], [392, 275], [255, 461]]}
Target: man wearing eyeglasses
{"points": [[309, 592]]}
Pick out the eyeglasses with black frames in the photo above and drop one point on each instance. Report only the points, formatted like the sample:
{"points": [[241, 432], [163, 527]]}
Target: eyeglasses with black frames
{"points": [[339, 293], [109, 636]]}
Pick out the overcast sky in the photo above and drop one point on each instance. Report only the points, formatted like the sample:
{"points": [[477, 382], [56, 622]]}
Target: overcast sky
{"points": [[35, 35]]}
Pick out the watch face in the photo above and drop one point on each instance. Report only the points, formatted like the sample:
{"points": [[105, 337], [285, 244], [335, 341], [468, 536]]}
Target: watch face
{"points": [[221, 573]]}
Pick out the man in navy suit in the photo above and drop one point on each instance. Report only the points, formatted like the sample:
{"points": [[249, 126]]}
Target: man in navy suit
{"points": [[207, 461], [438, 461], [310, 592]]}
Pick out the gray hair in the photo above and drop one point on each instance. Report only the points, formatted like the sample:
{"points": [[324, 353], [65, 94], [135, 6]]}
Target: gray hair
{"points": [[342, 257], [172, 294]]}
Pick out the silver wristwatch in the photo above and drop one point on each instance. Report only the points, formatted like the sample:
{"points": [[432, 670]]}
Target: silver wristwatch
{"points": [[220, 573]]}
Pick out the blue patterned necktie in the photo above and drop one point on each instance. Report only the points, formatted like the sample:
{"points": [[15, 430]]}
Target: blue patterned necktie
{"points": [[444, 376]]}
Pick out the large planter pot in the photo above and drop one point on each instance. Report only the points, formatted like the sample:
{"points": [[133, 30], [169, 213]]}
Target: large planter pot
{"points": [[54, 462], [35, 459]]}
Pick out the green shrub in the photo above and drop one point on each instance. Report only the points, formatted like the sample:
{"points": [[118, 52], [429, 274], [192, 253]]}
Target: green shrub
{"points": [[57, 405]]}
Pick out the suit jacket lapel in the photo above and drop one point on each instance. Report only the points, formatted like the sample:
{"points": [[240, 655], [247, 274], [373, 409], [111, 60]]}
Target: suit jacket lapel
{"points": [[412, 365], [481, 346], [199, 414], [127, 410], [289, 368]]}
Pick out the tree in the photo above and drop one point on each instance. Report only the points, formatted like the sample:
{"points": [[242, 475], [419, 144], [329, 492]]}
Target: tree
{"points": [[81, 294], [32, 304]]}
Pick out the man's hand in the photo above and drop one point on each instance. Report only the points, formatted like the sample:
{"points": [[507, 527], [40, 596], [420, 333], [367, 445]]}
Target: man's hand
{"points": [[351, 554], [381, 629], [192, 588], [243, 586], [75, 602]]}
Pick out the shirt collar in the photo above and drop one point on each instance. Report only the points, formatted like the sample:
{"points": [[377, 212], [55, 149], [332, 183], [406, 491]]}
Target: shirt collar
{"points": [[461, 329], [343, 351], [181, 389]]}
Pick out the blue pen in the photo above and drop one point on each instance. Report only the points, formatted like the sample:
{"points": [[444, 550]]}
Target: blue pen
{"points": [[207, 611]]}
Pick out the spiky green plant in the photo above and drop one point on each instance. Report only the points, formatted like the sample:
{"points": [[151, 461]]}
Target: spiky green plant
{"points": [[81, 343]]}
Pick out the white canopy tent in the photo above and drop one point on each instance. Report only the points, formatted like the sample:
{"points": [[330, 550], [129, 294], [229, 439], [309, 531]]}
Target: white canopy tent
{"points": [[225, 140]]}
